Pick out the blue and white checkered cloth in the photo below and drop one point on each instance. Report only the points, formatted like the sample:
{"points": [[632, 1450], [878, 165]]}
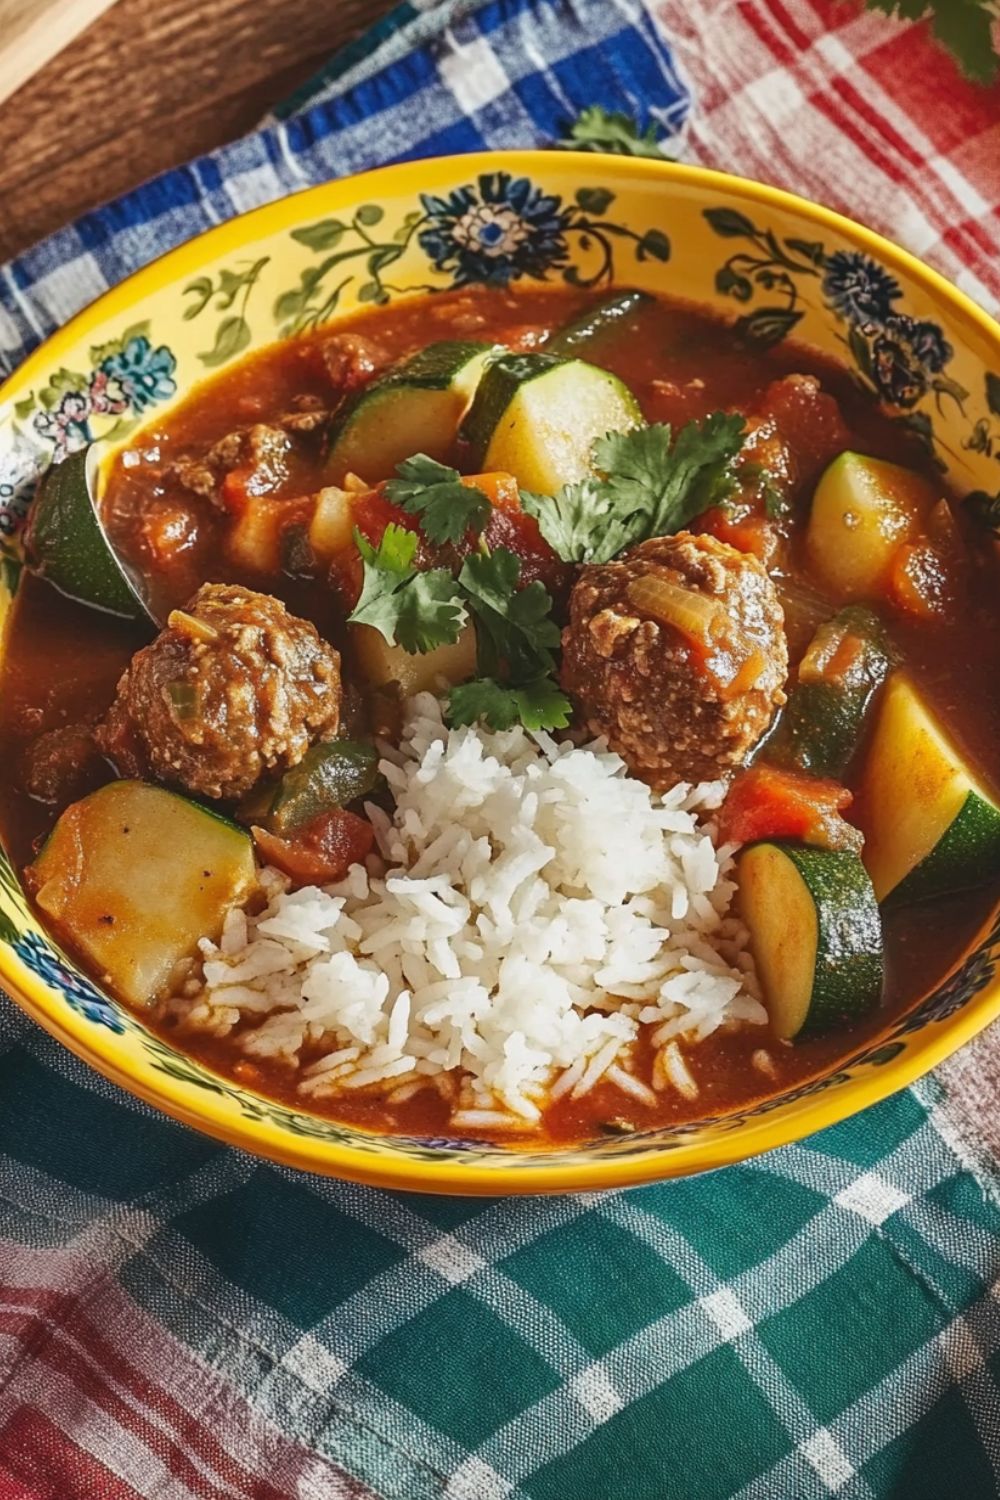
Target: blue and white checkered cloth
{"points": [[431, 79]]}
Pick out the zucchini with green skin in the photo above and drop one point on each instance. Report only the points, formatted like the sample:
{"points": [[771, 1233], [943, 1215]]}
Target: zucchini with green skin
{"points": [[815, 935], [839, 678], [415, 408], [930, 825], [67, 544], [600, 326], [133, 876], [537, 417], [330, 774], [863, 509]]}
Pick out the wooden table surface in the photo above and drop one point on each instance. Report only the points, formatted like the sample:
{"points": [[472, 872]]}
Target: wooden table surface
{"points": [[150, 84]]}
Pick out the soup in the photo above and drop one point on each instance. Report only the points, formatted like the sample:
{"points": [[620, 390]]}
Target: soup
{"points": [[522, 716]]}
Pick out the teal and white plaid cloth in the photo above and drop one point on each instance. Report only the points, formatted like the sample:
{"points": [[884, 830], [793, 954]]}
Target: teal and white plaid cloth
{"points": [[179, 1321]]}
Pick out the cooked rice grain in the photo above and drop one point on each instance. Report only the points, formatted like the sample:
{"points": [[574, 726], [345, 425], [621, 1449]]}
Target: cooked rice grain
{"points": [[531, 909]]}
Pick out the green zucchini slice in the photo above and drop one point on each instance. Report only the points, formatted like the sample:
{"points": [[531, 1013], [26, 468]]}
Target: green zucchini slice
{"points": [[815, 935], [930, 825], [839, 678], [415, 408], [67, 544], [862, 510], [537, 417], [133, 875], [330, 774], [600, 326]]}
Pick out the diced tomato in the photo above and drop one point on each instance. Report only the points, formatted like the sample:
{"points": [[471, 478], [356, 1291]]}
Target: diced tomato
{"points": [[765, 802], [809, 421], [372, 514], [920, 580], [746, 531], [322, 851], [234, 492], [508, 526]]}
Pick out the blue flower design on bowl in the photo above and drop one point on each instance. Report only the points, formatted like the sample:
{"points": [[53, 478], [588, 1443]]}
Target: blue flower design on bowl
{"points": [[78, 992], [905, 353], [144, 374], [858, 288], [496, 230]]}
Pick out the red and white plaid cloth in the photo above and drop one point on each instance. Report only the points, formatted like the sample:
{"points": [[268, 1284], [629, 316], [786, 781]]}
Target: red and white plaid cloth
{"points": [[874, 119], [853, 110]]}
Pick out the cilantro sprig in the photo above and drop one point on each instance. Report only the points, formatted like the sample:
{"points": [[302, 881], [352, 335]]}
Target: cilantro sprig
{"points": [[447, 508], [648, 484], [537, 704], [418, 608], [513, 625], [515, 632]]}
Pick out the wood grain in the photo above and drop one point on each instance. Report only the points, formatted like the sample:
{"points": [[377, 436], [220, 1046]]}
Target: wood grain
{"points": [[33, 31], [152, 84]]}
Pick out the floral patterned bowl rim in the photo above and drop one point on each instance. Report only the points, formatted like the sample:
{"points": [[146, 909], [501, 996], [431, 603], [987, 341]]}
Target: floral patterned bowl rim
{"points": [[905, 359]]}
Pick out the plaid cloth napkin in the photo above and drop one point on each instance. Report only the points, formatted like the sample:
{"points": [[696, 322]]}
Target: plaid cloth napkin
{"points": [[181, 1321]]}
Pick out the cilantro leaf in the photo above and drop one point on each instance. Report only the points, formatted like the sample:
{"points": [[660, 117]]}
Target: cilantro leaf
{"points": [[578, 523], [513, 625], [650, 488], [670, 486], [964, 27], [598, 129], [542, 705], [431, 612], [417, 609], [447, 508], [537, 704]]}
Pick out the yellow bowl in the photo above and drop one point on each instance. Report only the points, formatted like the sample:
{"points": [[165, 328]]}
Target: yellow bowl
{"points": [[777, 262]]}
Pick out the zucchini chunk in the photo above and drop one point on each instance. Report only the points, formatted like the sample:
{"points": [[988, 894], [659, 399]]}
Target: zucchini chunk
{"points": [[537, 417], [381, 664], [330, 774], [133, 875], [930, 825], [67, 544], [600, 326], [815, 935], [839, 677], [415, 408], [863, 509]]}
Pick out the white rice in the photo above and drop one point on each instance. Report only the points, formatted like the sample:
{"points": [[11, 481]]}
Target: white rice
{"points": [[531, 910]]}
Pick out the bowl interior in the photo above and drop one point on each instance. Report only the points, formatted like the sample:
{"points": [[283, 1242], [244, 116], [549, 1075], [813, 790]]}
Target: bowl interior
{"points": [[779, 266]]}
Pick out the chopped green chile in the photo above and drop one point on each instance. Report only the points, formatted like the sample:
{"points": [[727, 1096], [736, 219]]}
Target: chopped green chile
{"points": [[331, 774], [183, 699]]}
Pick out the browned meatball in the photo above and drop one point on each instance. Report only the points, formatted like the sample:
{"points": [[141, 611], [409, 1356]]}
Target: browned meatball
{"points": [[234, 687], [676, 653], [57, 765]]}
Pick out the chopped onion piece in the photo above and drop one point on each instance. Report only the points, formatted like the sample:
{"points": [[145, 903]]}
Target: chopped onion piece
{"points": [[198, 630], [699, 619]]}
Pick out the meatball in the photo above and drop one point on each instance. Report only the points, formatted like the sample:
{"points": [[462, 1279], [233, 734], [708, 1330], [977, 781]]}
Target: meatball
{"points": [[235, 686], [676, 653], [57, 765]]}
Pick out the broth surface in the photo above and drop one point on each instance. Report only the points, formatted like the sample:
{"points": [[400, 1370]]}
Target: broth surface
{"points": [[62, 660]]}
